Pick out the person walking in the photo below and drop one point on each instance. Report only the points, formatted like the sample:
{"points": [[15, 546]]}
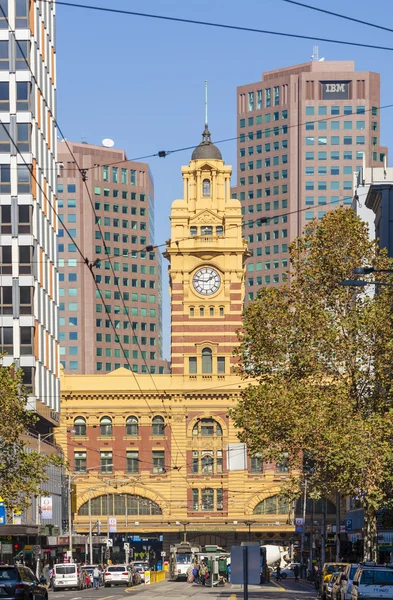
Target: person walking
{"points": [[278, 573], [296, 572], [317, 579], [46, 573], [203, 573], [195, 574], [96, 578]]}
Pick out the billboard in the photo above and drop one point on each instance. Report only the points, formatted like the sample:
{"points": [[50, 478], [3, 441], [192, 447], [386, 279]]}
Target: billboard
{"points": [[335, 90], [112, 524], [46, 508]]}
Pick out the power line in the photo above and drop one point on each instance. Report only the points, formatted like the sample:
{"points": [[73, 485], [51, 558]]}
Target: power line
{"points": [[217, 25], [340, 16]]}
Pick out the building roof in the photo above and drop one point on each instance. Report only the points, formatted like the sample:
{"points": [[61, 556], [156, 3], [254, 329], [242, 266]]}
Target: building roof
{"points": [[206, 149]]}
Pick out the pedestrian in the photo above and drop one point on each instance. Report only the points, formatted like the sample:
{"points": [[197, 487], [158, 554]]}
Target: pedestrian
{"points": [[96, 578], [203, 573], [195, 574], [317, 579], [229, 572], [296, 572], [52, 578], [45, 573], [278, 573]]}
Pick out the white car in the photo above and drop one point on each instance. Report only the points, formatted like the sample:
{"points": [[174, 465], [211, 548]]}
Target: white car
{"points": [[141, 567], [288, 570], [116, 575]]}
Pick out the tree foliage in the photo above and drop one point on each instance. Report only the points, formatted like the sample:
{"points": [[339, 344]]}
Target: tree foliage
{"points": [[321, 355], [22, 470]]}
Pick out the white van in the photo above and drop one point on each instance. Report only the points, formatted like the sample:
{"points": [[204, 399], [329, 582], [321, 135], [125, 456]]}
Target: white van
{"points": [[372, 583], [67, 575]]}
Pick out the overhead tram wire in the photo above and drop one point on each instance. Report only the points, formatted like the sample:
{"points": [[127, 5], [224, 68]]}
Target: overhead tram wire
{"points": [[165, 153], [340, 16], [216, 25]]}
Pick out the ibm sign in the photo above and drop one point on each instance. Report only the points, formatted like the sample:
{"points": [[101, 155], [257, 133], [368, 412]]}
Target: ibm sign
{"points": [[335, 90]]}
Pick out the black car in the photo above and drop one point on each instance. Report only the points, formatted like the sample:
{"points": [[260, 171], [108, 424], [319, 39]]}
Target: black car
{"points": [[19, 582]]}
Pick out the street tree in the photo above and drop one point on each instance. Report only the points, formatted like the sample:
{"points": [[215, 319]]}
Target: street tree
{"points": [[22, 469], [319, 358]]}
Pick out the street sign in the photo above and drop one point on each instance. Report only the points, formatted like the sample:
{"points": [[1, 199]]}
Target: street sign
{"points": [[348, 525], [163, 553], [2, 512], [126, 547], [246, 556], [109, 543], [36, 551]]}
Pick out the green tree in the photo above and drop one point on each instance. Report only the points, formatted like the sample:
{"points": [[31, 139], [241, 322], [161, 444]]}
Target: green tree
{"points": [[22, 470], [320, 357]]}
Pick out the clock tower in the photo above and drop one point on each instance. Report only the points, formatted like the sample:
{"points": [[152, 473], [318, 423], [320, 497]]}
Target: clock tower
{"points": [[206, 256]]}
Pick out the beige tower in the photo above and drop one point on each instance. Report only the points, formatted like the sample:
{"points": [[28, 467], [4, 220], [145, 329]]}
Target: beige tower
{"points": [[206, 254]]}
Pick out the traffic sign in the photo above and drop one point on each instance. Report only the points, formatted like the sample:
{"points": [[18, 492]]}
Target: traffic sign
{"points": [[109, 543], [126, 547], [36, 551], [163, 553], [348, 525]]}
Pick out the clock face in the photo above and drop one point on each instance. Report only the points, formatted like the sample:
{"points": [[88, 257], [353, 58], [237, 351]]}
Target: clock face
{"points": [[206, 281]]}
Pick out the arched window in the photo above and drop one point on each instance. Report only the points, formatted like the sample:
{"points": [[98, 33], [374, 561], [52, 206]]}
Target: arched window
{"points": [[105, 426], [158, 426], [207, 428], [275, 505], [211, 311], [192, 311], [80, 426], [207, 361], [320, 505], [221, 309], [206, 187], [132, 426], [208, 499], [116, 504], [201, 311]]}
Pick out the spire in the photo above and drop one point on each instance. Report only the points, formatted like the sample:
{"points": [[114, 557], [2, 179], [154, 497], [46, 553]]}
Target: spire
{"points": [[206, 148]]}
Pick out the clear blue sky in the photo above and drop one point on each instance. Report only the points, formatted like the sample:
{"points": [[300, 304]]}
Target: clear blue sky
{"points": [[141, 81]]}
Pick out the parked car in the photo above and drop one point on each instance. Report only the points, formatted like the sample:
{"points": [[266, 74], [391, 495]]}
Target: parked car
{"points": [[327, 572], [19, 582], [68, 575], [337, 587], [372, 582], [140, 567], [329, 588], [116, 575], [346, 581], [288, 570]]}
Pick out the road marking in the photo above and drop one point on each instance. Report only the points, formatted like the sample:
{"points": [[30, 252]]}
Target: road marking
{"points": [[282, 589]]}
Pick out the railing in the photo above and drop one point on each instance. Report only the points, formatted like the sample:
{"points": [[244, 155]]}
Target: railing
{"points": [[157, 576]]}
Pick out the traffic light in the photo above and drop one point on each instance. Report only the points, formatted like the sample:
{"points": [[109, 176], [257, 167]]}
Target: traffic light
{"points": [[16, 547], [107, 553]]}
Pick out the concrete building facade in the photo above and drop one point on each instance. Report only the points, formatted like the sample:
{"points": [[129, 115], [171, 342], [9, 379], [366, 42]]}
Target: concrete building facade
{"points": [[302, 133], [121, 223], [29, 294], [151, 453]]}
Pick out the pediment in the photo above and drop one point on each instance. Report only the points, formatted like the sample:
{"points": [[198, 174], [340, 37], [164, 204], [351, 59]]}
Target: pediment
{"points": [[206, 217]]}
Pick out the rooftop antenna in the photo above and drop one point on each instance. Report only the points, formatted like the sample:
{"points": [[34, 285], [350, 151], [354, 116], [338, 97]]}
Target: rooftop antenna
{"points": [[206, 115], [315, 54]]}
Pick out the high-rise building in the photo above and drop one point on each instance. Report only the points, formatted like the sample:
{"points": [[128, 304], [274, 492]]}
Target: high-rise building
{"points": [[123, 196], [28, 223], [303, 132]]}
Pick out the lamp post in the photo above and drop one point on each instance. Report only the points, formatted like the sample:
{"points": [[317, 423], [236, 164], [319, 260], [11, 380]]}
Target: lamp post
{"points": [[40, 439], [249, 523]]}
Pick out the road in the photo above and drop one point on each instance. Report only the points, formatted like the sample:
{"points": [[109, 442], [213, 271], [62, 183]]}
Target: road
{"points": [[287, 590]]}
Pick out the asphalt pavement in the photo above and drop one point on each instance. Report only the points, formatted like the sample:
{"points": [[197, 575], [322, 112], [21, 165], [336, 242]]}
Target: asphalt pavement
{"points": [[176, 590]]}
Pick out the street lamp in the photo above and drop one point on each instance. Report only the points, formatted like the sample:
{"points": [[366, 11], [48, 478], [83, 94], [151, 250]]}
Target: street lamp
{"points": [[249, 523]]}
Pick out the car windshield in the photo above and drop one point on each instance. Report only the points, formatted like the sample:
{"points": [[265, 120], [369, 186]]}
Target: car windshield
{"points": [[334, 568], [377, 577], [116, 569], [65, 569], [7, 574], [353, 571]]}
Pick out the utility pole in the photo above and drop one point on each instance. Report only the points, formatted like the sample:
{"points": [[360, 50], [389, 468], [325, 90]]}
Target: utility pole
{"points": [[70, 516], [303, 537], [323, 534], [37, 517], [338, 548], [90, 532]]}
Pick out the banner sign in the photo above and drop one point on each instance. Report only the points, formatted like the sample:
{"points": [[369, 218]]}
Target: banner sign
{"points": [[335, 90], [46, 508], [299, 525], [2, 512], [112, 524]]}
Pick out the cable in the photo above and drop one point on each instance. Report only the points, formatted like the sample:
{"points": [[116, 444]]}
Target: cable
{"points": [[334, 14], [269, 130], [217, 25]]}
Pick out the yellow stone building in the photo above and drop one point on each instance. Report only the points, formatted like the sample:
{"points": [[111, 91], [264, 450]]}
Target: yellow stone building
{"points": [[149, 454]]}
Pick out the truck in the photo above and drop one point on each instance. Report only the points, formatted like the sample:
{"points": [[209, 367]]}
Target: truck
{"points": [[181, 557], [271, 556]]}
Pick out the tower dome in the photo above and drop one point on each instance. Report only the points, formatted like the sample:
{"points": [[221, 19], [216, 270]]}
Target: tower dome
{"points": [[206, 149]]}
